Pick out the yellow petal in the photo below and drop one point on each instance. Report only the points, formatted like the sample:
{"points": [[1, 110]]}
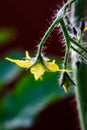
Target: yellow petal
{"points": [[52, 66], [21, 63], [66, 89], [27, 55], [85, 29], [66, 86], [38, 70], [64, 70]]}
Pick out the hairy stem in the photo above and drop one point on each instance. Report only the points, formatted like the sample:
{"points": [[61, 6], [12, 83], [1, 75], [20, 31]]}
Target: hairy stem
{"points": [[50, 29], [78, 52], [61, 14], [80, 68], [78, 45], [66, 36]]}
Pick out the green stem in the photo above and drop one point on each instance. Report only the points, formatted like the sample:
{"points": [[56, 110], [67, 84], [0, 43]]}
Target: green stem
{"points": [[61, 14], [50, 29], [81, 92], [78, 12], [77, 44], [68, 4], [80, 69], [66, 35], [67, 20], [77, 51]]}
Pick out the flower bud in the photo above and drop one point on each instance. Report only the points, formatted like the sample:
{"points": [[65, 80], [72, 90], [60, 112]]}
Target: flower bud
{"points": [[66, 81]]}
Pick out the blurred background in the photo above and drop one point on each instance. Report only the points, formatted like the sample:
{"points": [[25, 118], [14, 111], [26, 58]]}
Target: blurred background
{"points": [[26, 104]]}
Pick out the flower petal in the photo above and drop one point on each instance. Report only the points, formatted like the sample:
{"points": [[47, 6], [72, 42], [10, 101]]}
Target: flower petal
{"points": [[85, 29], [52, 66], [66, 88], [64, 70], [21, 63], [27, 55], [38, 70]]}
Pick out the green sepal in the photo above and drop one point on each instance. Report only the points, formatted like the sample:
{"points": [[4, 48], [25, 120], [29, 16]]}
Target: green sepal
{"points": [[66, 81]]}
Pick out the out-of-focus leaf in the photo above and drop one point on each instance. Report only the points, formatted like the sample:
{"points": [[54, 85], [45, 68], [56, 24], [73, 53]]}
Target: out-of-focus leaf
{"points": [[7, 35], [20, 107], [8, 70]]}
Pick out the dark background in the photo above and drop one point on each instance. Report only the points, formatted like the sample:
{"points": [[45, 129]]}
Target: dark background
{"points": [[31, 19]]}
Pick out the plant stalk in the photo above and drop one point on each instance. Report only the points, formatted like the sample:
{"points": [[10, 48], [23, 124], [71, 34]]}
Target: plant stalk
{"points": [[50, 29], [66, 36], [80, 68]]}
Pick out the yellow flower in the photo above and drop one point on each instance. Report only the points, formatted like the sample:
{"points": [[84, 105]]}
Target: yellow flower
{"points": [[37, 69], [85, 29]]}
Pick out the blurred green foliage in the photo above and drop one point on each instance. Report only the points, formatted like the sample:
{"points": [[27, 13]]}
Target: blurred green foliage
{"points": [[9, 71], [7, 35]]}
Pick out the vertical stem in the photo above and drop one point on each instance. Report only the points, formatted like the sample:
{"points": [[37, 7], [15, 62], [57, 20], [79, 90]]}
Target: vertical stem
{"points": [[81, 92], [80, 68], [66, 35], [78, 11]]}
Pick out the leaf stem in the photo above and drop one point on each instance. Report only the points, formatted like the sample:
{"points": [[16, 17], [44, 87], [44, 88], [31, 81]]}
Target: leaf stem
{"points": [[61, 15], [77, 51], [66, 35], [77, 44], [50, 29]]}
